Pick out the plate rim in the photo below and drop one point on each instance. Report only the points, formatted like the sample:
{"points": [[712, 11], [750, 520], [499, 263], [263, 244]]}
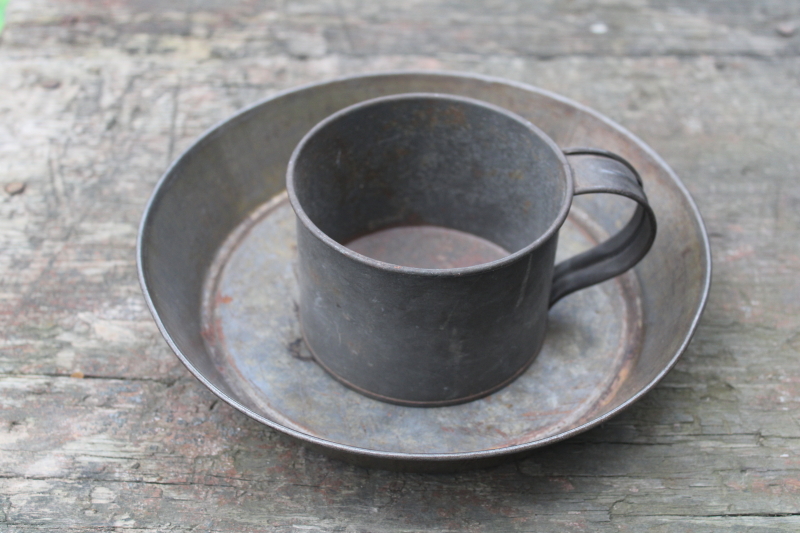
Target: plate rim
{"points": [[347, 450]]}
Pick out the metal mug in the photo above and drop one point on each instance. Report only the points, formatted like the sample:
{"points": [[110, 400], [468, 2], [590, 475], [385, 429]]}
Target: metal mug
{"points": [[440, 336]]}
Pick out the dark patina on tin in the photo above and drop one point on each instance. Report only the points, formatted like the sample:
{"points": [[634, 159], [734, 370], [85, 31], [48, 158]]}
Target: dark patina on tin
{"points": [[433, 337], [216, 254]]}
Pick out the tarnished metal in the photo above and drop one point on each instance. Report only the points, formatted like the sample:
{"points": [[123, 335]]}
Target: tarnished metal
{"points": [[216, 255], [432, 337]]}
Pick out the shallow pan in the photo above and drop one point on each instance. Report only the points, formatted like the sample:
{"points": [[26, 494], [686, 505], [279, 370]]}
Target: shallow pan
{"points": [[216, 252]]}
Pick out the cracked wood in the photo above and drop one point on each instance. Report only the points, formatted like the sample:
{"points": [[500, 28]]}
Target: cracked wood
{"points": [[100, 426]]}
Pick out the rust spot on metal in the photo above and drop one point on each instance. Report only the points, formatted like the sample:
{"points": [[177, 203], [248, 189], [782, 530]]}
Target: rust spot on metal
{"points": [[455, 116], [298, 350], [213, 332]]}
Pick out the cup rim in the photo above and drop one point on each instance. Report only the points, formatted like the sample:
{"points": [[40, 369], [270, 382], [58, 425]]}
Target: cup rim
{"points": [[551, 230]]}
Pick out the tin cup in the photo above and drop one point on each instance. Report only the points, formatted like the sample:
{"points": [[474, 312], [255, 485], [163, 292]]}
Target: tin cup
{"points": [[415, 174]]}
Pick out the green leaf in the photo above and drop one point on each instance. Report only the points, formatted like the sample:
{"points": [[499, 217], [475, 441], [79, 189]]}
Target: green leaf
{"points": [[3, 4]]}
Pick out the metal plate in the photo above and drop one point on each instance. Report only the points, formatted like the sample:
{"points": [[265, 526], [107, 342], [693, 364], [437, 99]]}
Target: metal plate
{"points": [[215, 259]]}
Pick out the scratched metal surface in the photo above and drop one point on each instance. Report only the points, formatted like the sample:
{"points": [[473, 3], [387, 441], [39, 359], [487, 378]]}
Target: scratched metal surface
{"points": [[238, 166], [251, 316]]}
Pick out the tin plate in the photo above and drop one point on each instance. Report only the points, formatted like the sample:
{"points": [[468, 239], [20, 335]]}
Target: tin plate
{"points": [[216, 254]]}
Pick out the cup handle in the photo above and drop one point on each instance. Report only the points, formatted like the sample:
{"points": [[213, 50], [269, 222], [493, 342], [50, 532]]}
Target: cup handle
{"points": [[599, 171]]}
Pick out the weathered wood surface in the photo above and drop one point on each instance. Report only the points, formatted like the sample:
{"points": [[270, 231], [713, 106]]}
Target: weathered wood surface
{"points": [[101, 428]]}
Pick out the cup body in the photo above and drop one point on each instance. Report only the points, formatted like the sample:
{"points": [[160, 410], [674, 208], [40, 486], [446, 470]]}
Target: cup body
{"points": [[421, 336]]}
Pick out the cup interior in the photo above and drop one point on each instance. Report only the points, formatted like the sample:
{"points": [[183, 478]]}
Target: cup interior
{"points": [[429, 160]]}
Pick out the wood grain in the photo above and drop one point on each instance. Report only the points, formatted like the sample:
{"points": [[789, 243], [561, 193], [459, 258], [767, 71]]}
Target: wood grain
{"points": [[102, 429]]}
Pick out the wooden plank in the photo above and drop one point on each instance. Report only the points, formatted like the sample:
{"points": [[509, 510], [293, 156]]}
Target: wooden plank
{"points": [[97, 98], [309, 29]]}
